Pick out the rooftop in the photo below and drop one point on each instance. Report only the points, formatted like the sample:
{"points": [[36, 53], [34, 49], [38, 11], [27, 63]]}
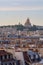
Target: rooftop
{"points": [[3, 52]]}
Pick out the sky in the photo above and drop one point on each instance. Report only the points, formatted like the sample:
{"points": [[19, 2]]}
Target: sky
{"points": [[14, 11]]}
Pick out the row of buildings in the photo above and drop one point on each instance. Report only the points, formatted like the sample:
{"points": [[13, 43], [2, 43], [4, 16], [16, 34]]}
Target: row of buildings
{"points": [[29, 57], [20, 44]]}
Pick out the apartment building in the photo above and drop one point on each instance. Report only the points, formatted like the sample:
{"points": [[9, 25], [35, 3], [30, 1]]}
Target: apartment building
{"points": [[6, 58]]}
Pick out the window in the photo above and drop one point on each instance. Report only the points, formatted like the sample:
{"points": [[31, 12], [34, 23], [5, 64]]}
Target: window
{"points": [[6, 64], [1, 64], [10, 64], [1, 57], [13, 63], [9, 56], [5, 56]]}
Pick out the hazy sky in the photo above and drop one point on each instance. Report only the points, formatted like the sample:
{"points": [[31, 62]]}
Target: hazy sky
{"points": [[14, 11]]}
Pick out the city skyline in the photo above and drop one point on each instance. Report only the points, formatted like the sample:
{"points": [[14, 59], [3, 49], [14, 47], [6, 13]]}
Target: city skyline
{"points": [[14, 11]]}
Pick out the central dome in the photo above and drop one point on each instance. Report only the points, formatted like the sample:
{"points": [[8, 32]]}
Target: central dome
{"points": [[27, 23]]}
